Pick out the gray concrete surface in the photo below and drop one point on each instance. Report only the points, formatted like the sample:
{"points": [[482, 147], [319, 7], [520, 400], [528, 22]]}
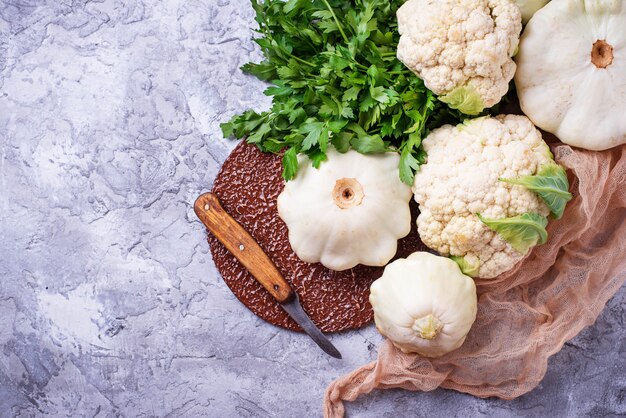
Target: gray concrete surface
{"points": [[109, 302]]}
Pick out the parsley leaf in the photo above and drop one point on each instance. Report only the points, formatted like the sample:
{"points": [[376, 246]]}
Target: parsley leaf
{"points": [[290, 164], [368, 144]]}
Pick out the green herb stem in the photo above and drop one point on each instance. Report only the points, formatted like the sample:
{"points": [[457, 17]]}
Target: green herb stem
{"points": [[303, 61], [330, 9]]}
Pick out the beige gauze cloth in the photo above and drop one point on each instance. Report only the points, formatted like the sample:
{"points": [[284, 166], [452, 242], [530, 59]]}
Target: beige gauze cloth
{"points": [[527, 314]]}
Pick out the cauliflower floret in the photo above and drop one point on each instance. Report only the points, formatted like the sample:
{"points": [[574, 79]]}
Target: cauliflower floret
{"points": [[462, 49], [461, 178]]}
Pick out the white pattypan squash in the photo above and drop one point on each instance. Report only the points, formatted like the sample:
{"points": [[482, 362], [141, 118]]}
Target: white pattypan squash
{"points": [[351, 210], [571, 71], [424, 304]]}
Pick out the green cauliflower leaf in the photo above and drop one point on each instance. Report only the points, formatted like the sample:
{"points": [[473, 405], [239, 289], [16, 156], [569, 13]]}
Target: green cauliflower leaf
{"points": [[465, 99], [467, 268], [522, 231], [550, 184]]}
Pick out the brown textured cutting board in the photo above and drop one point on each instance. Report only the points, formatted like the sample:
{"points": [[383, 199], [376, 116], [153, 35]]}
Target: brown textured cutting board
{"points": [[248, 185]]}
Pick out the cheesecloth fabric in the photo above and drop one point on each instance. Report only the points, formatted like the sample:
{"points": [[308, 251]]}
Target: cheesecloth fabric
{"points": [[527, 314]]}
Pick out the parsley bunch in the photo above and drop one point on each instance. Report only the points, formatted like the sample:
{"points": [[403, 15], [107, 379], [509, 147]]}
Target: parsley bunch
{"points": [[337, 81]]}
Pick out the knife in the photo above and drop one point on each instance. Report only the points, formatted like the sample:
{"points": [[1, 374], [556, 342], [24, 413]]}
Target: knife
{"points": [[241, 244]]}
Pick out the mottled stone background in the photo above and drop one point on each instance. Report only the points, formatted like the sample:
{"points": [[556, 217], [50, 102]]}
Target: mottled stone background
{"points": [[109, 302]]}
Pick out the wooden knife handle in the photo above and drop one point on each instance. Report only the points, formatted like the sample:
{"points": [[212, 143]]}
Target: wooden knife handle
{"points": [[241, 244]]}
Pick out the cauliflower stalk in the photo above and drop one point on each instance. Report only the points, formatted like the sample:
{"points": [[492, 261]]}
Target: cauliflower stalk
{"points": [[485, 192], [462, 49]]}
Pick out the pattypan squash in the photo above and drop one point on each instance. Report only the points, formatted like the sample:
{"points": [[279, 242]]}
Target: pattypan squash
{"points": [[571, 72], [351, 210], [424, 304]]}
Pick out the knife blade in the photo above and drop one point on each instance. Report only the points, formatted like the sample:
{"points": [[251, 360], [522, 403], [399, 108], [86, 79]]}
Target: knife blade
{"points": [[241, 244], [295, 311]]}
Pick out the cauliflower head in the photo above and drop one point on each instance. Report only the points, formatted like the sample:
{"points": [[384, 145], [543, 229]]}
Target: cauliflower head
{"points": [[462, 49], [462, 178]]}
